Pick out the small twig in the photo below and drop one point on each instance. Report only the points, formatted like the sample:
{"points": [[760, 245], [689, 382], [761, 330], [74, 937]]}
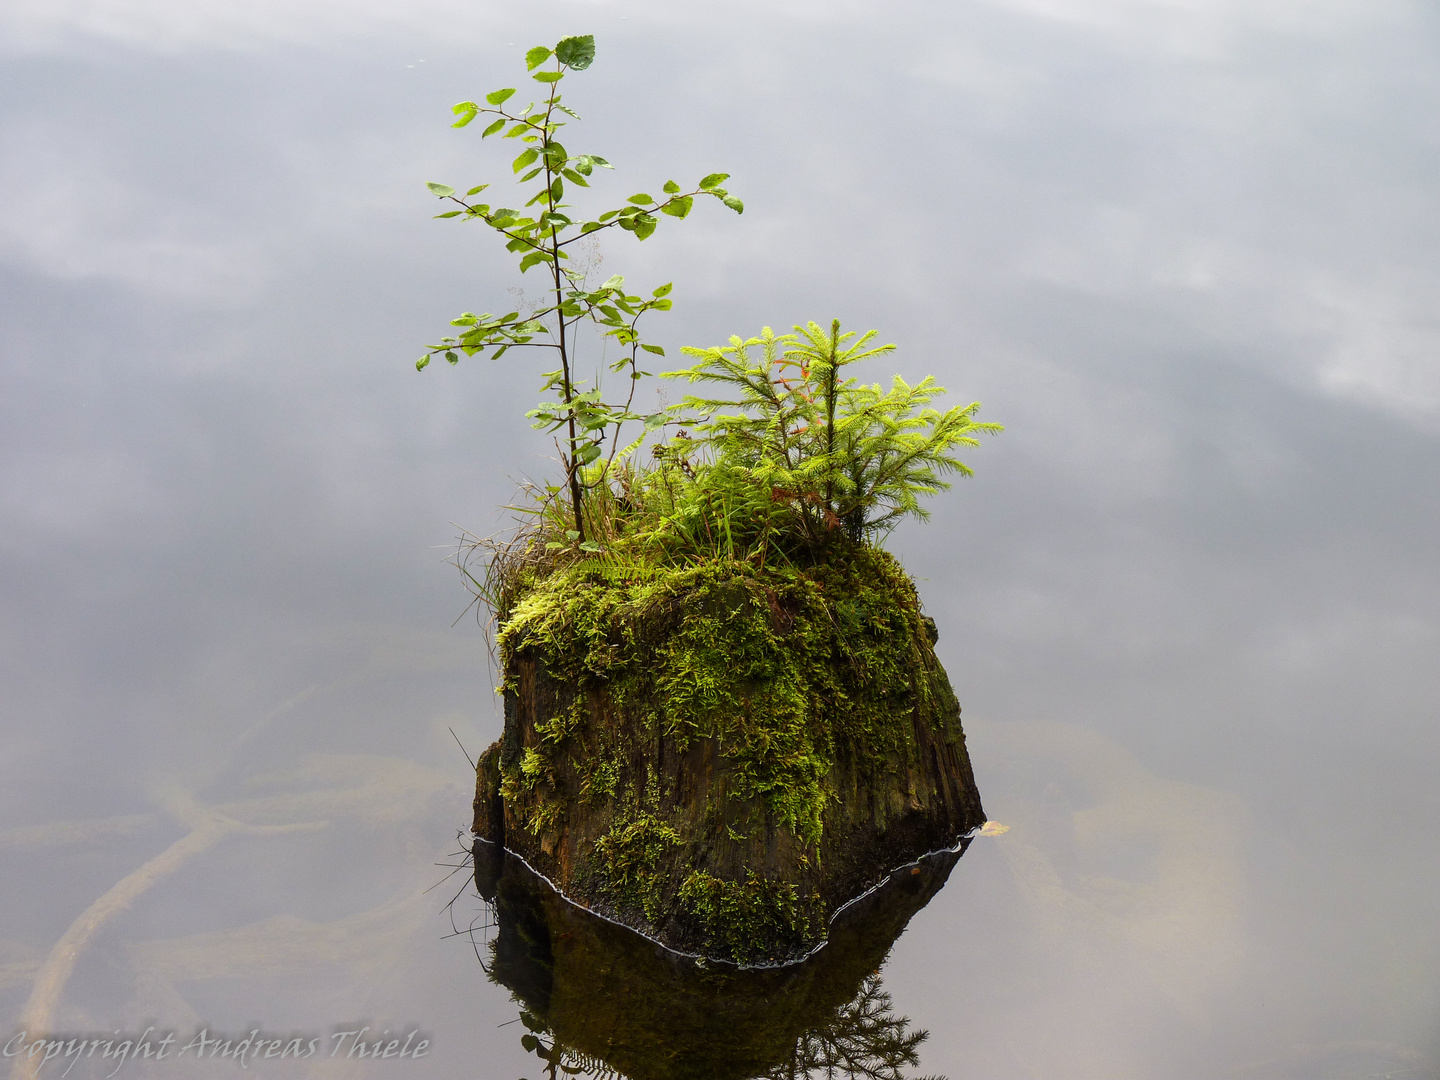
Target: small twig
{"points": [[462, 746]]}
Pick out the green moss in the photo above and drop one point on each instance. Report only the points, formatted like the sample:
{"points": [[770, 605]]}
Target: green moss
{"points": [[534, 767], [788, 670], [601, 779], [559, 728], [744, 917], [632, 852]]}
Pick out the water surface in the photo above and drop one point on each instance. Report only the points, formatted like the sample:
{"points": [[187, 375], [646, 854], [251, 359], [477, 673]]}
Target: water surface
{"points": [[1189, 601]]}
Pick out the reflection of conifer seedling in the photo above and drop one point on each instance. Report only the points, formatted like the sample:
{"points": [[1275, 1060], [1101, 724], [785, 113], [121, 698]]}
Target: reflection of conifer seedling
{"points": [[542, 237], [863, 1040]]}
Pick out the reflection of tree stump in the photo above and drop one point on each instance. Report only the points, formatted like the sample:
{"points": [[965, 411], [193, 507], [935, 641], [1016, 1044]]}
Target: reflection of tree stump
{"points": [[723, 756], [614, 998]]}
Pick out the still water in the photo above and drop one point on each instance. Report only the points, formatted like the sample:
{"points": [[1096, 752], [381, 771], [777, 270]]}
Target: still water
{"points": [[1190, 600], [331, 899]]}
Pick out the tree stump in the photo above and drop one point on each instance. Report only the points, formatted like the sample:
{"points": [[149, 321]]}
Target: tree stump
{"points": [[721, 757]]}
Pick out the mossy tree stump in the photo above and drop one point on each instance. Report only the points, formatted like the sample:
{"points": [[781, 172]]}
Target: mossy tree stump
{"points": [[721, 756]]}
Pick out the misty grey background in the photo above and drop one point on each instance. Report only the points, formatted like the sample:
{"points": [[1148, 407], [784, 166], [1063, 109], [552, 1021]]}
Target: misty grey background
{"points": [[1185, 252]]}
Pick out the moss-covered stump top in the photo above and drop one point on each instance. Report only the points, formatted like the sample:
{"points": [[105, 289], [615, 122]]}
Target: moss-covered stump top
{"points": [[721, 756]]}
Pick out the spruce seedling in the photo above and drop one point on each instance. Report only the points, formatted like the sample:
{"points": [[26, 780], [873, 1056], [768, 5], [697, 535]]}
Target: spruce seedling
{"points": [[840, 454]]}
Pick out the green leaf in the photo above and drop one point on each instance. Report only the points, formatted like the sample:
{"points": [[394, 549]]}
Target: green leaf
{"points": [[476, 190], [466, 111], [535, 57], [671, 187], [664, 290], [596, 159], [656, 349], [588, 545], [496, 126], [574, 177], [499, 352], [576, 52], [662, 305], [440, 189], [566, 109], [654, 420], [499, 97], [530, 175], [422, 363], [548, 76], [714, 180], [557, 190], [529, 1042], [533, 258], [644, 226], [588, 453], [641, 199], [591, 226], [570, 534], [450, 213], [614, 281], [734, 204], [527, 1018], [452, 357], [525, 160], [678, 208]]}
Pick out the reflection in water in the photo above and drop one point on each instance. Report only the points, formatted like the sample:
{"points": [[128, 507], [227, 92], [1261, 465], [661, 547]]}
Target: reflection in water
{"points": [[1108, 934], [161, 980], [863, 1039], [599, 999]]}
